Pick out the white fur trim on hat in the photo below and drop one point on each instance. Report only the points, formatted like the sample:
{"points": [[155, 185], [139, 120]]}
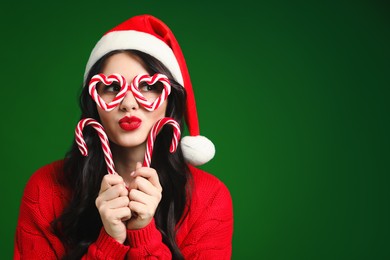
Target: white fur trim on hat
{"points": [[197, 150], [122, 40]]}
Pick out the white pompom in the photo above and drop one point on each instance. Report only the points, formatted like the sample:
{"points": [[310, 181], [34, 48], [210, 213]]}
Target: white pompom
{"points": [[197, 150]]}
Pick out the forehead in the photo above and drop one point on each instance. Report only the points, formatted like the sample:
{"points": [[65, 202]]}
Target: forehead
{"points": [[125, 64]]}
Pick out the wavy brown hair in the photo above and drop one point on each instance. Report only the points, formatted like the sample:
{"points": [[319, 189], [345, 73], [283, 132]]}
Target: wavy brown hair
{"points": [[79, 224]]}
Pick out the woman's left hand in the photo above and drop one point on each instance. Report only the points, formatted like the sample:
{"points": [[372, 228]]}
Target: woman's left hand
{"points": [[145, 194]]}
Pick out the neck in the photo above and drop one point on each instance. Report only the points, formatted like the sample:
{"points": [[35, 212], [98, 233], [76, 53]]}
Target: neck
{"points": [[125, 159]]}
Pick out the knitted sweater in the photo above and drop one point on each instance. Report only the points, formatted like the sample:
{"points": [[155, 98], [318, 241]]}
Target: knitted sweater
{"points": [[206, 232]]}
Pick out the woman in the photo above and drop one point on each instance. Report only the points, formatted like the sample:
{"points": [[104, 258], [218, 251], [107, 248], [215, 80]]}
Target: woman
{"points": [[74, 209]]}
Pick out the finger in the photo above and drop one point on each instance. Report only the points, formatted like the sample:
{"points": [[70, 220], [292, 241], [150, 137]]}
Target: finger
{"points": [[138, 165], [121, 214], [149, 174], [115, 191], [141, 197], [140, 209], [124, 213], [117, 203], [110, 180], [144, 185], [119, 190]]}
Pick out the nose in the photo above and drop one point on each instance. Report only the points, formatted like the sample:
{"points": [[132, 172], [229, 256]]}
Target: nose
{"points": [[129, 102]]}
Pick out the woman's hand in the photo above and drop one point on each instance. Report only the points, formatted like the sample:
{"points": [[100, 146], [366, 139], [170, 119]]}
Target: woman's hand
{"points": [[145, 195], [113, 206]]}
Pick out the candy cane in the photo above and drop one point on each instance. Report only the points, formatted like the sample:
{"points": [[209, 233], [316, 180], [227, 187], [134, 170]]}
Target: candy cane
{"points": [[150, 106], [108, 81], [154, 132], [103, 139]]}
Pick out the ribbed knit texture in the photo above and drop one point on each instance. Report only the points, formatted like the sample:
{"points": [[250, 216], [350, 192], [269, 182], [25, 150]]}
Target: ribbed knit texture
{"points": [[206, 232]]}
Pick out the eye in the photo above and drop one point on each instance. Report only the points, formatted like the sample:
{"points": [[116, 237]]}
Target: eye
{"points": [[156, 88], [114, 87]]}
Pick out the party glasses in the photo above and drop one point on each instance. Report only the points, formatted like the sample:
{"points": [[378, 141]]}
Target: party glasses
{"points": [[149, 91]]}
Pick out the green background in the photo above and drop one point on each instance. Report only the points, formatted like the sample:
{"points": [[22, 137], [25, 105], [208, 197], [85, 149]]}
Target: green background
{"points": [[294, 94]]}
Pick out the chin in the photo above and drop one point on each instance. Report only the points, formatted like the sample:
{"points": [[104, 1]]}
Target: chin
{"points": [[129, 142]]}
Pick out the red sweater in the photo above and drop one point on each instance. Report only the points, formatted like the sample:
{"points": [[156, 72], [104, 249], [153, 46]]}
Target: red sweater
{"points": [[206, 232]]}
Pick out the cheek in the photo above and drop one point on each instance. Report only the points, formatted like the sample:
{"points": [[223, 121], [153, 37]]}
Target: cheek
{"points": [[154, 116], [102, 115], [161, 111]]}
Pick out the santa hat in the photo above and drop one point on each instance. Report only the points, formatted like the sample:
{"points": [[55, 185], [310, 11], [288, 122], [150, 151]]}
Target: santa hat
{"points": [[150, 35]]}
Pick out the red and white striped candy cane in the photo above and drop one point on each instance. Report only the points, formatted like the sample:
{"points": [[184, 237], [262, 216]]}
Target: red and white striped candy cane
{"points": [[103, 139], [108, 80], [150, 106], [154, 132]]}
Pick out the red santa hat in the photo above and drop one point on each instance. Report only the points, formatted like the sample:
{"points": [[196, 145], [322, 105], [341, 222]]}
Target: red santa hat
{"points": [[150, 35]]}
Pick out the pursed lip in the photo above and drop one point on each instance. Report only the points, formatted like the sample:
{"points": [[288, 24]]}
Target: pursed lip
{"points": [[130, 123]]}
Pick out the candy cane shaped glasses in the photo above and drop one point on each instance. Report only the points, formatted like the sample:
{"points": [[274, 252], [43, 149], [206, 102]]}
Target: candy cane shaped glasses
{"points": [[149, 91]]}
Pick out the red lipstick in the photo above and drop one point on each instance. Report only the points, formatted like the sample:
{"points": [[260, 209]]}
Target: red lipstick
{"points": [[130, 123]]}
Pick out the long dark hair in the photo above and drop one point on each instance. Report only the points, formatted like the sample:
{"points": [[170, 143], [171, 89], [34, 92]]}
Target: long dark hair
{"points": [[79, 224]]}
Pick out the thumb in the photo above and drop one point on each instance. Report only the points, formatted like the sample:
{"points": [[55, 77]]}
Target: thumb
{"points": [[138, 165]]}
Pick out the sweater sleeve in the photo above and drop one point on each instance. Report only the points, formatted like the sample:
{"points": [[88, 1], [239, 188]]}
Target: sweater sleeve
{"points": [[209, 230], [106, 247], [34, 239], [146, 243], [206, 232]]}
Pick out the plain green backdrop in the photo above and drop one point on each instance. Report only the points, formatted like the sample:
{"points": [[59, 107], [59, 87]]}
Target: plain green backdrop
{"points": [[294, 94]]}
